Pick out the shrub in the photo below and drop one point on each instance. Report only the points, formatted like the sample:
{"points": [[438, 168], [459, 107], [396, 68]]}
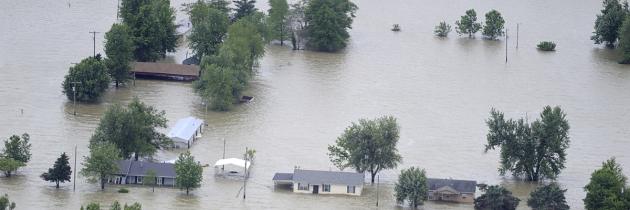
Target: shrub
{"points": [[442, 30], [123, 190], [546, 46], [396, 27]]}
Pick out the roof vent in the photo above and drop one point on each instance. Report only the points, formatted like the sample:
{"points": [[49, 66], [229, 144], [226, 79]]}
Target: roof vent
{"points": [[140, 164]]}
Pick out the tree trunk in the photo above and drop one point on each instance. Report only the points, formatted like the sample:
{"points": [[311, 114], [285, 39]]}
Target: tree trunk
{"points": [[57, 183], [102, 184], [186, 191], [116, 83], [136, 156], [373, 175], [8, 173], [153, 187]]}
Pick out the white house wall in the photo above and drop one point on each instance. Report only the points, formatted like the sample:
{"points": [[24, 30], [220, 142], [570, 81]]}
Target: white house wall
{"points": [[334, 189]]}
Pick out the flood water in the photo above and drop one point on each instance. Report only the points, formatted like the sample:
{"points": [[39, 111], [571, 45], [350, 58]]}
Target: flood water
{"points": [[440, 89]]}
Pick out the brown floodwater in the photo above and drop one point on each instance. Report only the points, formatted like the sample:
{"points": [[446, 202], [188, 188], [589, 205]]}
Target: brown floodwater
{"points": [[440, 89]]}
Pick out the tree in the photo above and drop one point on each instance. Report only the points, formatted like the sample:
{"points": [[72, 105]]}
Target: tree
{"points": [[93, 78], [328, 21], [536, 151], [442, 30], [119, 50], [279, 17], [4, 203], [608, 23], [251, 153], [115, 206], [93, 206], [150, 178], [368, 146], [494, 25], [102, 163], [246, 42], [548, 197], [133, 130], [624, 41], [244, 8], [17, 153], [152, 28], [189, 173], [221, 5], [60, 172], [412, 186], [8, 165], [135, 206], [467, 24], [298, 23], [604, 191], [209, 32], [496, 198], [615, 167]]}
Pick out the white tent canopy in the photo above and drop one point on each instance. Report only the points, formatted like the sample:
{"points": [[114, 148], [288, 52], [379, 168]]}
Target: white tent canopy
{"points": [[233, 161]]}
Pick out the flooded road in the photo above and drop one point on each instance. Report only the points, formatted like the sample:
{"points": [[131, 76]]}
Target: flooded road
{"points": [[440, 89]]}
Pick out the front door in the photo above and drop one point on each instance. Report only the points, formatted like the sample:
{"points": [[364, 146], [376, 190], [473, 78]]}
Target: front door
{"points": [[315, 189]]}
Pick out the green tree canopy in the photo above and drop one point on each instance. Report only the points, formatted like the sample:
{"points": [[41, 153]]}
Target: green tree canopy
{"points": [[494, 25], [93, 77], [246, 42], [536, 151], [189, 173], [134, 206], [152, 27], [604, 191], [624, 41], [298, 24], [244, 8], [328, 21], [17, 152], [442, 30], [220, 84], [93, 206], [615, 167], [209, 32], [221, 5], [60, 172], [467, 24], [548, 197], [133, 130], [5, 203], [369, 146], [496, 198], [279, 18], [608, 23], [102, 163], [150, 178], [119, 50], [412, 186]]}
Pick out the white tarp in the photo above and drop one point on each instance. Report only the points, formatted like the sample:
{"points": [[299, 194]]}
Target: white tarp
{"points": [[233, 161]]}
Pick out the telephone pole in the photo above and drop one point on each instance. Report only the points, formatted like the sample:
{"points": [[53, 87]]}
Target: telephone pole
{"points": [[75, 96], [94, 39], [506, 38], [75, 168], [245, 179]]}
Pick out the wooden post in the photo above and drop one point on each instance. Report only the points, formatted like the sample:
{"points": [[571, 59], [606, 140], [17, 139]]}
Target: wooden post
{"points": [[378, 182], [245, 179], [517, 36], [506, 38], [75, 96], [75, 168]]}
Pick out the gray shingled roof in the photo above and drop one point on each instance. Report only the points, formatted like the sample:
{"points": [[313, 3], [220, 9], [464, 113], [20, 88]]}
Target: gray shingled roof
{"points": [[139, 168], [283, 177], [459, 185], [327, 177]]}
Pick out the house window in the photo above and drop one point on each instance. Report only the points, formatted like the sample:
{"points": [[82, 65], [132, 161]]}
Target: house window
{"points": [[351, 189], [464, 196], [302, 186], [138, 179], [326, 188], [448, 195], [430, 195]]}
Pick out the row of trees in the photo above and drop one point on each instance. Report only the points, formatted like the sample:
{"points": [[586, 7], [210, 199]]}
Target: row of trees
{"points": [[114, 206], [492, 29]]}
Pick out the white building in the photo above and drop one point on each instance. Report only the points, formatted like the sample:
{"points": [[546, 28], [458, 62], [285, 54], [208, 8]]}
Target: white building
{"points": [[185, 132], [322, 182], [184, 28]]}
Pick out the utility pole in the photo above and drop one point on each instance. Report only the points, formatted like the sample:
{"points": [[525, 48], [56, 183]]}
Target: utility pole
{"points": [[223, 167], [378, 182], [506, 38], [94, 39], [75, 168], [517, 35], [245, 179], [75, 96], [134, 73]]}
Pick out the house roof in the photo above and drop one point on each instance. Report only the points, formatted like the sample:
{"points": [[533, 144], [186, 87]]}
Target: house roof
{"points": [[283, 177], [233, 161], [452, 184], [184, 26], [185, 128], [327, 177], [139, 168]]}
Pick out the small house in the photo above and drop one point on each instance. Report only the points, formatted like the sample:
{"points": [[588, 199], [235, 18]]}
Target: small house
{"points": [[184, 28], [185, 132], [462, 191], [322, 182], [132, 172]]}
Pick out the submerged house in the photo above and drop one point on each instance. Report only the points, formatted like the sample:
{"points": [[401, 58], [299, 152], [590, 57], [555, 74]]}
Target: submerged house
{"points": [[322, 182], [185, 132], [462, 191], [132, 172]]}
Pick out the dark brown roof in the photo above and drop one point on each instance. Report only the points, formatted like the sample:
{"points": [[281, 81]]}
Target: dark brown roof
{"points": [[166, 69]]}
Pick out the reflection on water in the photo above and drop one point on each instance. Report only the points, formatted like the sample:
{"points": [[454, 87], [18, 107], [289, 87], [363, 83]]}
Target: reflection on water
{"points": [[440, 89]]}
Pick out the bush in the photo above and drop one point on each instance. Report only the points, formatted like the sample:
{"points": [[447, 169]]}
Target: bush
{"points": [[547, 46], [442, 30], [123, 190], [396, 27]]}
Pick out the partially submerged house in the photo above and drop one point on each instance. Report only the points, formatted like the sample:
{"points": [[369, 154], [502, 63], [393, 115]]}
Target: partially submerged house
{"points": [[132, 172], [184, 28], [322, 182], [185, 132], [462, 191]]}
